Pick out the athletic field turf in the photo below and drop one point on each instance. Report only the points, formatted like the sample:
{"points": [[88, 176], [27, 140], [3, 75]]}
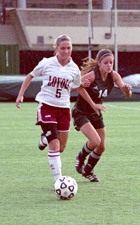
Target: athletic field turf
{"points": [[26, 186]]}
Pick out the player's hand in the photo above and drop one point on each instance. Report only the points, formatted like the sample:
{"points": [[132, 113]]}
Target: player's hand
{"points": [[126, 87], [18, 100], [86, 83], [98, 107]]}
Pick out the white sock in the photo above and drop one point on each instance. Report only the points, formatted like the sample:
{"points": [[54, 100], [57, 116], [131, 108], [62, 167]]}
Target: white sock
{"points": [[55, 163]]}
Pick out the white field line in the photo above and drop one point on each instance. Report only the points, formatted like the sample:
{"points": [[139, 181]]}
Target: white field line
{"points": [[115, 106]]}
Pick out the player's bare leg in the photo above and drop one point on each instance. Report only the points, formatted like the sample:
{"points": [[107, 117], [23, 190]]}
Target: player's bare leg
{"points": [[94, 140], [63, 137]]}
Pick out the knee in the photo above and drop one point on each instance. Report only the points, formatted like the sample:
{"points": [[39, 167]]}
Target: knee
{"points": [[54, 145], [98, 142], [95, 143]]}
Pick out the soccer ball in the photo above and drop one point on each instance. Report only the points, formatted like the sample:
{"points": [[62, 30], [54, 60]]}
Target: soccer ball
{"points": [[65, 187]]}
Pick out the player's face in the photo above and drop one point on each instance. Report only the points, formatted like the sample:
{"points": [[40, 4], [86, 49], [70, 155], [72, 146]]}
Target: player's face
{"points": [[64, 50], [106, 64]]}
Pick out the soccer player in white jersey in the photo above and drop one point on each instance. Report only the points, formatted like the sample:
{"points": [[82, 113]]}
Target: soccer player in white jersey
{"points": [[60, 76]]}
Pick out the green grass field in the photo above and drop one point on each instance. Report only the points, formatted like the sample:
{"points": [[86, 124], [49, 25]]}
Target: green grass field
{"points": [[27, 196]]}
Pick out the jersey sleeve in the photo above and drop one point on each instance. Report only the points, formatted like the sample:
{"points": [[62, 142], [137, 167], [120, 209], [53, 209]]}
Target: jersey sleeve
{"points": [[77, 79], [37, 71]]}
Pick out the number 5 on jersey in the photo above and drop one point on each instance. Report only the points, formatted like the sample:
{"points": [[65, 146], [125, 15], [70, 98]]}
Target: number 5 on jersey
{"points": [[58, 93]]}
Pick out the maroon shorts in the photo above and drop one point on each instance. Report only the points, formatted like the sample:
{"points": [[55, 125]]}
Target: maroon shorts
{"points": [[50, 114]]}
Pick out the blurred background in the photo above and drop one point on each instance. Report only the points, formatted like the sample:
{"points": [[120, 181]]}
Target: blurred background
{"points": [[28, 29]]}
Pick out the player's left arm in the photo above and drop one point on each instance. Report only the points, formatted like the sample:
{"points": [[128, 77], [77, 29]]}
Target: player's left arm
{"points": [[125, 88]]}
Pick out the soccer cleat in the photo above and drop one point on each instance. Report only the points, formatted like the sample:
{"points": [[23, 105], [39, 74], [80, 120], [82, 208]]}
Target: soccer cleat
{"points": [[91, 177], [43, 143], [79, 165]]}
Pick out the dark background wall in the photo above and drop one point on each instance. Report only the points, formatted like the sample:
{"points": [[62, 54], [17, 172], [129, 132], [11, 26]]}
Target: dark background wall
{"points": [[128, 62]]}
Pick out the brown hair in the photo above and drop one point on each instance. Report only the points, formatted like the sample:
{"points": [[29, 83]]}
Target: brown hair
{"points": [[61, 38], [88, 64]]}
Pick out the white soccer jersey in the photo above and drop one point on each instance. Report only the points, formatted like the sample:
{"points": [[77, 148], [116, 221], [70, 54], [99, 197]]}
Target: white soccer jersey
{"points": [[57, 81]]}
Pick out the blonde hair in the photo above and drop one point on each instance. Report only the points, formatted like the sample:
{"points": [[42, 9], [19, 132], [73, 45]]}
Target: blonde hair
{"points": [[89, 64], [61, 38]]}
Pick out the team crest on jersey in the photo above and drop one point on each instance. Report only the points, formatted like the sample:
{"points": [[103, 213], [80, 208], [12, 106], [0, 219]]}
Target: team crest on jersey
{"points": [[96, 87]]}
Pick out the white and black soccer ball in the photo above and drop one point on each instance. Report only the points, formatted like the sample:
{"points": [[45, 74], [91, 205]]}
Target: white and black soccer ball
{"points": [[65, 187]]}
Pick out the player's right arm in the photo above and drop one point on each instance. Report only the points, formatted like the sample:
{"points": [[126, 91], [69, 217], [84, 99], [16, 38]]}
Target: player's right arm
{"points": [[86, 80], [24, 86]]}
